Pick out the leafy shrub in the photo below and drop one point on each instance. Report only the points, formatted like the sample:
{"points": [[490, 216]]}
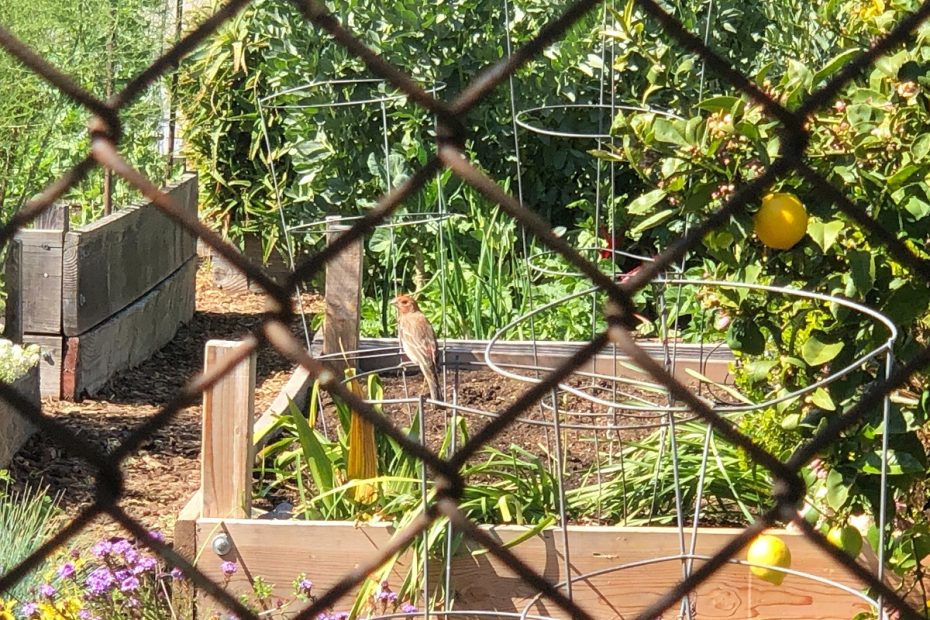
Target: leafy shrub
{"points": [[872, 144], [16, 360]]}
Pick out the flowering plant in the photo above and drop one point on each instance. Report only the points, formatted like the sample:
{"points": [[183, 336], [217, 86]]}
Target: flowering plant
{"points": [[116, 579], [16, 360]]}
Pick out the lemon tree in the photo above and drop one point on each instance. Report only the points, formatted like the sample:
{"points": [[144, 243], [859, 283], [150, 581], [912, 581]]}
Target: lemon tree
{"points": [[768, 550], [782, 220]]}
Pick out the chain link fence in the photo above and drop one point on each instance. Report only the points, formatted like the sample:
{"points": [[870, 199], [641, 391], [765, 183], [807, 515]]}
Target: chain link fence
{"points": [[788, 487]]}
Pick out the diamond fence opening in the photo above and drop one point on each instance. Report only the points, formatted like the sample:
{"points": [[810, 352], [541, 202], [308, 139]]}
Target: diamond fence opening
{"points": [[788, 488]]}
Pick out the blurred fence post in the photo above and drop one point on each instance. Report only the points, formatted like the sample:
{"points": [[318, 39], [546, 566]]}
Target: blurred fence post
{"points": [[343, 296]]}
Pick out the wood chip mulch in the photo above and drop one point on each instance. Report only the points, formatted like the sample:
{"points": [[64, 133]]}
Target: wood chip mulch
{"points": [[162, 475]]}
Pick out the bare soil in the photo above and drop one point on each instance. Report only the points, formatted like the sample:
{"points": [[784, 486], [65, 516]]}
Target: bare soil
{"points": [[162, 475], [534, 428]]}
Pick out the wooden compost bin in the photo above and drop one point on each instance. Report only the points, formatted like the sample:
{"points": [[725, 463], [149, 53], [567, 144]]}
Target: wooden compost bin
{"points": [[14, 429], [279, 550], [102, 297]]}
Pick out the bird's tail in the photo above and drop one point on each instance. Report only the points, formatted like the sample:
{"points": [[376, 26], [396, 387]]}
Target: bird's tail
{"points": [[432, 380]]}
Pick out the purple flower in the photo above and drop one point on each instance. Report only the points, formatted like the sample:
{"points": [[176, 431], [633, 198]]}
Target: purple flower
{"points": [[102, 549], [131, 556], [388, 596], [29, 609], [177, 573], [305, 585], [145, 564], [121, 546], [84, 614], [342, 615], [66, 570], [130, 584], [156, 535], [100, 581], [228, 568], [47, 590], [407, 608], [122, 574]]}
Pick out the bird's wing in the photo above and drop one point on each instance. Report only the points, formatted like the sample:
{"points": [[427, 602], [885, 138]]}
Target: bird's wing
{"points": [[418, 339]]}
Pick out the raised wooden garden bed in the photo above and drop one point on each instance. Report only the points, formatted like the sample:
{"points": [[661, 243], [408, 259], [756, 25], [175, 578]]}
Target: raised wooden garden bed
{"points": [[279, 550], [14, 429], [102, 297]]}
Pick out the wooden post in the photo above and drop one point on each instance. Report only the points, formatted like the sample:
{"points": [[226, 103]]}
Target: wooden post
{"points": [[226, 459], [56, 217], [343, 296]]}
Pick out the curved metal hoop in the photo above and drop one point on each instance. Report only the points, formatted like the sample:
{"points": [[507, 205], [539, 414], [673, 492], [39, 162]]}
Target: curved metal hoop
{"points": [[521, 118], [885, 346], [268, 100], [686, 557], [425, 217]]}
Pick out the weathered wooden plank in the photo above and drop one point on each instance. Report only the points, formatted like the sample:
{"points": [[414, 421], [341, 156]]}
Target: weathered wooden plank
{"points": [[50, 362], [228, 277], [343, 298], [295, 390], [277, 550], [185, 544], [53, 218], [41, 281], [114, 261], [131, 336], [228, 416], [733, 592], [709, 359], [14, 428]]}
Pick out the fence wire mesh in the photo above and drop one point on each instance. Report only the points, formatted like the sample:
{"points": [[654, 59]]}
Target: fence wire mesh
{"points": [[788, 487]]}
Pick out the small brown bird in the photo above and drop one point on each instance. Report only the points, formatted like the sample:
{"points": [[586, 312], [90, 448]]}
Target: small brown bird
{"points": [[418, 340]]}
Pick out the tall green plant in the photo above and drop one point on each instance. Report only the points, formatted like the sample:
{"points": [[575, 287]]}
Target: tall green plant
{"points": [[27, 519]]}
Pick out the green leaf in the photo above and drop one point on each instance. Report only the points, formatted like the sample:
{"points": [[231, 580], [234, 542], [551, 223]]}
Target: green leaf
{"points": [[903, 174], [833, 65], [906, 303], [899, 463], [921, 147], [816, 352], [722, 103], [645, 203], [321, 467], [837, 491], [917, 207], [862, 270], [821, 398], [668, 131], [823, 233], [745, 336], [653, 220]]}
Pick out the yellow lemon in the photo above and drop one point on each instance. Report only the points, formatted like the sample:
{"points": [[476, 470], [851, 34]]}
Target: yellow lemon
{"points": [[846, 538], [770, 551], [782, 220]]}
